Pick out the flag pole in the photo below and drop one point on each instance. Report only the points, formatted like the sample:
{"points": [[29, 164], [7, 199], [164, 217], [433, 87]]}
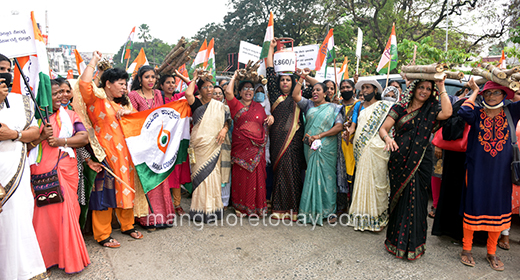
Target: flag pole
{"points": [[128, 59], [388, 72], [30, 90], [335, 77], [357, 66]]}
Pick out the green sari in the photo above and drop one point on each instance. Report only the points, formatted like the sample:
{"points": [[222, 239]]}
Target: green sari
{"points": [[318, 199]]}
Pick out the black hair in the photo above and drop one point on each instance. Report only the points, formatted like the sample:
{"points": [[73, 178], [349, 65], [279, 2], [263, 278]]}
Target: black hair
{"points": [[461, 91], [219, 88], [136, 84], [293, 82], [54, 82], [62, 81], [334, 83], [394, 81], [352, 84], [243, 83], [113, 75], [163, 79], [322, 85], [4, 58]]}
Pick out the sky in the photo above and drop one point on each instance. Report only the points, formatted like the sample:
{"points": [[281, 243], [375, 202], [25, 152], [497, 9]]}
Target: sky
{"points": [[105, 25]]}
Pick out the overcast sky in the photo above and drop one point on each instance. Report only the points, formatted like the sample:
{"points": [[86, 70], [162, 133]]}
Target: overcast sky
{"points": [[105, 25]]}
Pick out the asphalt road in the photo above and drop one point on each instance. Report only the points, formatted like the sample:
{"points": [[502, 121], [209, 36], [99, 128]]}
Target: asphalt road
{"points": [[260, 249]]}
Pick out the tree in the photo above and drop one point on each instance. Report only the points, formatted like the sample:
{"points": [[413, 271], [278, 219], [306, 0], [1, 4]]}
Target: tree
{"points": [[144, 33], [161, 50]]}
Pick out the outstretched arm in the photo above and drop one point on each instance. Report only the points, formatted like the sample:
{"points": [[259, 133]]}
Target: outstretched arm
{"points": [[184, 79], [231, 86], [269, 58], [88, 73], [190, 91], [446, 109]]}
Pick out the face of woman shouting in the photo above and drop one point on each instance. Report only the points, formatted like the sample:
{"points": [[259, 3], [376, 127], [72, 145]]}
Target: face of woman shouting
{"points": [[318, 94], [247, 92], [169, 86], [57, 96]]}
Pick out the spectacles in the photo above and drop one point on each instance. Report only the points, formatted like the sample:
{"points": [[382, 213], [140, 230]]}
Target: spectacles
{"points": [[218, 93], [488, 93], [248, 88], [208, 87]]}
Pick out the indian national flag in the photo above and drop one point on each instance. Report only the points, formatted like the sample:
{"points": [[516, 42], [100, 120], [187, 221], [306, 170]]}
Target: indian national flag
{"points": [[209, 61], [139, 61], [344, 70], [199, 59], [158, 140], [389, 54], [269, 35], [502, 62], [80, 64], [181, 85], [36, 69], [128, 45], [326, 52]]}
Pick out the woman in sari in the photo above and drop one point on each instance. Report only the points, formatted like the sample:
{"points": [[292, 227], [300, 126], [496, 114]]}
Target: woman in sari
{"points": [[324, 122], [369, 208], [286, 147], [210, 125], [250, 125], [143, 97], [225, 163], [57, 224], [105, 106], [414, 118]]}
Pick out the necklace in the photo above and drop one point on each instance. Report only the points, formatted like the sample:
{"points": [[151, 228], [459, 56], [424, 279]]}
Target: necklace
{"points": [[146, 100]]}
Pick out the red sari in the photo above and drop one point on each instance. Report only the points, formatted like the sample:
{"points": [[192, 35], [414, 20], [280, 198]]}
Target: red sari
{"points": [[247, 155]]}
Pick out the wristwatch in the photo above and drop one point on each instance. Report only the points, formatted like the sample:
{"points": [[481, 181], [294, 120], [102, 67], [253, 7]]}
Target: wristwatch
{"points": [[19, 135]]}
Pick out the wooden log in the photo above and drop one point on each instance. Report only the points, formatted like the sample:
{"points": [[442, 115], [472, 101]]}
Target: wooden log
{"points": [[434, 68], [494, 70], [424, 76], [516, 77], [511, 71], [168, 62], [514, 85], [480, 80], [169, 57], [454, 75]]}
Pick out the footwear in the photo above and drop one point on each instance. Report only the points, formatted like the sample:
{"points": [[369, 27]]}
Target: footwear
{"points": [[503, 242], [431, 214], [469, 258], [179, 210], [495, 262], [240, 214], [133, 233], [110, 243]]}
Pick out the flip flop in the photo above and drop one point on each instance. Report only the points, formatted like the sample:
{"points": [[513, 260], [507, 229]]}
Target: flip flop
{"points": [[494, 260], [469, 256], [503, 245], [130, 231], [110, 243]]}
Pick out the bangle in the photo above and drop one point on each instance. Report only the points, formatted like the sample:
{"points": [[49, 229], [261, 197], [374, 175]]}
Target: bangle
{"points": [[300, 83], [65, 143], [385, 137], [319, 135], [94, 68], [443, 92]]}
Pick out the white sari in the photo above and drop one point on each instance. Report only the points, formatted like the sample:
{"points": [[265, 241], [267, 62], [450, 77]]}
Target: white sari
{"points": [[20, 256]]}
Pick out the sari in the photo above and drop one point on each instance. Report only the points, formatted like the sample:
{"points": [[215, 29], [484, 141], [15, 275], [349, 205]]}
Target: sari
{"points": [[20, 255], [57, 225], [206, 202], [286, 150], [318, 199], [248, 158], [410, 170], [369, 208]]}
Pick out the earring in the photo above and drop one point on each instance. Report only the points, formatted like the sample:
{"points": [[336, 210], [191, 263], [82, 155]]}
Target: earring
{"points": [[108, 86]]}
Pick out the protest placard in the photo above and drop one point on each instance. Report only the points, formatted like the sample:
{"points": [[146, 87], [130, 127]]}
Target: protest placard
{"points": [[16, 36], [320, 75], [248, 51], [306, 56], [284, 62]]}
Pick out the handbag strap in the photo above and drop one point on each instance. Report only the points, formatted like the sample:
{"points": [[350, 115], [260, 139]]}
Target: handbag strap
{"points": [[511, 126]]}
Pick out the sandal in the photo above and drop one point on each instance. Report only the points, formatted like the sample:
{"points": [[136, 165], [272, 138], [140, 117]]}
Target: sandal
{"points": [[110, 243], [240, 214], [495, 262], [504, 244], [469, 258], [137, 234], [431, 214], [179, 210]]}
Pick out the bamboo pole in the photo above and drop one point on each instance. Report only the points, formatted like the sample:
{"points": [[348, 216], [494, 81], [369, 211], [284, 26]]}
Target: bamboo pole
{"points": [[119, 179]]}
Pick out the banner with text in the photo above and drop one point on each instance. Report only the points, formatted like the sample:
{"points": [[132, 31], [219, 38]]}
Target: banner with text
{"points": [[306, 56], [16, 36]]}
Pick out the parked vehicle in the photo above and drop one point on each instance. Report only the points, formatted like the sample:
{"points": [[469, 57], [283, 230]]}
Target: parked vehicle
{"points": [[452, 86]]}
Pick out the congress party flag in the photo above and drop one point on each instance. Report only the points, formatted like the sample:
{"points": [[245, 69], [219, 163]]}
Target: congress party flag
{"points": [[80, 64], [181, 85], [502, 62], [139, 61], [158, 140], [389, 54], [269, 35], [326, 53], [344, 70], [199, 59], [36, 69], [209, 61], [129, 45]]}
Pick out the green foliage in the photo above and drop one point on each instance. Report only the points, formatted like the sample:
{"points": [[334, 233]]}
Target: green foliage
{"points": [[514, 33], [155, 51], [512, 52]]}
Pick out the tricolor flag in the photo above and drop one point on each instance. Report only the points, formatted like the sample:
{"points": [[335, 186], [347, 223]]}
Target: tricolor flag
{"points": [[80, 64], [344, 70], [36, 69], [199, 59], [128, 46], [70, 74], [326, 53], [502, 62], [139, 61], [389, 54], [209, 61], [269, 35], [158, 140], [181, 85]]}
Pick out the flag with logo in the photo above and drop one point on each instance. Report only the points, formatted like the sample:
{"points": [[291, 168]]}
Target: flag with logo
{"points": [[389, 54], [199, 59], [158, 140], [326, 53], [139, 61], [502, 62], [269, 35], [80, 64], [129, 45], [181, 85], [209, 61], [36, 69]]}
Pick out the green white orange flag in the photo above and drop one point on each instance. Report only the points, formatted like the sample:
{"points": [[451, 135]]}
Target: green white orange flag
{"points": [[129, 45], [269, 35], [139, 61], [502, 62], [209, 61], [36, 69], [389, 54], [199, 59], [158, 140], [344, 70], [181, 85], [326, 53], [80, 64]]}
